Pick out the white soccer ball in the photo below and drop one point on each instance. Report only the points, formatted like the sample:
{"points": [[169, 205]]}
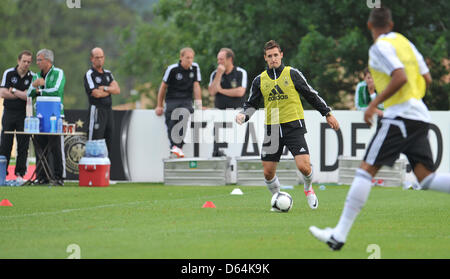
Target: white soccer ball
{"points": [[282, 201]]}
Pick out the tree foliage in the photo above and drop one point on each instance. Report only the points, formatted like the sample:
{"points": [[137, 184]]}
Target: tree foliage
{"points": [[70, 33], [327, 40]]}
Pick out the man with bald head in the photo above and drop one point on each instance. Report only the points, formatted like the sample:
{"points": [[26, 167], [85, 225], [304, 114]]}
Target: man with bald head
{"points": [[100, 85]]}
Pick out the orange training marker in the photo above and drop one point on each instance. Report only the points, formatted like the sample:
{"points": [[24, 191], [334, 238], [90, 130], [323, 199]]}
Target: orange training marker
{"points": [[209, 204], [5, 202]]}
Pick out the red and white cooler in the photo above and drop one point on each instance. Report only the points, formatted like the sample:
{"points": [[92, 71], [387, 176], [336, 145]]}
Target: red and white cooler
{"points": [[94, 171]]}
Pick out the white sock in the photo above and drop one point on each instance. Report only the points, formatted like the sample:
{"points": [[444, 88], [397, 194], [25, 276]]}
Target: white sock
{"points": [[356, 198], [437, 182], [273, 185], [307, 181]]}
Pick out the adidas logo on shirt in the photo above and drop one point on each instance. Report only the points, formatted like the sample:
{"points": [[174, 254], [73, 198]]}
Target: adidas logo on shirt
{"points": [[277, 94]]}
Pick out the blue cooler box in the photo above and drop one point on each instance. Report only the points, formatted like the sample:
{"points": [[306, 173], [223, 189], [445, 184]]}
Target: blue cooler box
{"points": [[47, 106]]}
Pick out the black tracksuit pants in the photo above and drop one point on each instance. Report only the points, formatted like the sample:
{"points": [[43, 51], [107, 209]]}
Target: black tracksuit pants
{"points": [[14, 120], [177, 114], [101, 125]]}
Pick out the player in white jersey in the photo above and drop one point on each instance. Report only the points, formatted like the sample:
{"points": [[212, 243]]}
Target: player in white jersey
{"points": [[401, 77]]}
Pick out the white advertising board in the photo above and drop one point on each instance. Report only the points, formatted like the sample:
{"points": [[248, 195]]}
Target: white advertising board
{"points": [[148, 144]]}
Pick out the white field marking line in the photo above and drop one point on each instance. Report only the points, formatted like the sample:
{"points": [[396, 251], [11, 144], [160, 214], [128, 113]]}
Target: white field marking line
{"points": [[103, 206]]}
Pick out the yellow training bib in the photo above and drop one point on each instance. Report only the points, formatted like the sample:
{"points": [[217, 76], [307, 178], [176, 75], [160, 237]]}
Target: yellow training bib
{"points": [[281, 100], [415, 87]]}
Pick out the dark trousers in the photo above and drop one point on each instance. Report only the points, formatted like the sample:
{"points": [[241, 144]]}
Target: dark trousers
{"points": [[101, 125], [53, 156], [177, 117], [14, 120]]}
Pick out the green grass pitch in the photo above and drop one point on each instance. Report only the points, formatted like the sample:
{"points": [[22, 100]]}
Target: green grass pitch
{"points": [[153, 221]]}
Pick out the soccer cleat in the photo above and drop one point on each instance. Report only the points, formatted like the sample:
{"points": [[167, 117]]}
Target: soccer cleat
{"points": [[326, 236], [311, 197], [177, 151]]}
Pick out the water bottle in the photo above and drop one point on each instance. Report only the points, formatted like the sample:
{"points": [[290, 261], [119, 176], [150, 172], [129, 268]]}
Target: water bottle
{"points": [[100, 148], [60, 125], [90, 148], [53, 124], [36, 124], [105, 149], [27, 125], [86, 149], [101, 144], [96, 152], [92, 143], [41, 122], [33, 125]]}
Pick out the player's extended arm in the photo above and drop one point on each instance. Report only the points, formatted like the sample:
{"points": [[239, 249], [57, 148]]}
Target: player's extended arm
{"points": [[398, 79], [251, 105], [311, 95]]}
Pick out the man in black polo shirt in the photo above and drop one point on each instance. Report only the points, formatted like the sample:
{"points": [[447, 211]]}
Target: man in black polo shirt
{"points": [[228, 84], [100, 85], [13, 90], [180, 81]]}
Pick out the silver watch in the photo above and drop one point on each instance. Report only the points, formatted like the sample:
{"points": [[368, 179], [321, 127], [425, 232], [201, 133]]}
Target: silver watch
{"points": [[105, 88], [13, 90]]}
